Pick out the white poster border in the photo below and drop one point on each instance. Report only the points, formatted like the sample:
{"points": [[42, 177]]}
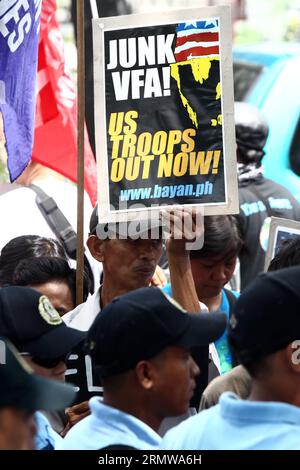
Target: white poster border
{"points": [[278, 224], [231, 204]]}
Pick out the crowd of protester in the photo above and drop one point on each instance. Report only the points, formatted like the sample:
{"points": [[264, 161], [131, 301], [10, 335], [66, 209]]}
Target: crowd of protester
{"points": [[188, 364]]}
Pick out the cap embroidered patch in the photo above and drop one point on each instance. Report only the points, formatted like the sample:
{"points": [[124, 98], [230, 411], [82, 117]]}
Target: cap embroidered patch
{"points": [[48, 312]]}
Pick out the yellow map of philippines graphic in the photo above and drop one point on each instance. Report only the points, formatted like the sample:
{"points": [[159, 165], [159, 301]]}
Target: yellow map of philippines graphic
{"points": [[200, 68]]}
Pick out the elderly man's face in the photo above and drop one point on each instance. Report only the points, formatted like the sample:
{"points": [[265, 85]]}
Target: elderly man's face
{"points": [[130, 264]]}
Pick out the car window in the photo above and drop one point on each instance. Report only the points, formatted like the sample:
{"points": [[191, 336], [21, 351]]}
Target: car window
{"points": [[244, 77], [294, 154]]}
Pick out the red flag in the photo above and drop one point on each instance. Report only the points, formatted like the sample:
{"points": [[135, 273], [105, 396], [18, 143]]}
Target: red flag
{"points": [[55, 139]]}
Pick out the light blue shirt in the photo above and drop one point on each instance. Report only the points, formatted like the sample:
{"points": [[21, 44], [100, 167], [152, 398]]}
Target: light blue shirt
{"points": [[108, 426], [46, 438], [236, 424]]}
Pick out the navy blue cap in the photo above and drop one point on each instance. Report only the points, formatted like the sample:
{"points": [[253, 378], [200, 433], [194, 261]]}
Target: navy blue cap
{"points": [[266, 316], [31, 323], [139, 325]]}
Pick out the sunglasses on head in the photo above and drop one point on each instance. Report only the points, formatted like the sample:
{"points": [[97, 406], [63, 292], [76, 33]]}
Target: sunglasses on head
{"points": [[47, 363]]}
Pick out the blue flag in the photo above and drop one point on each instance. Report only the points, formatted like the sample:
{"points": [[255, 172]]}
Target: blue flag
{"points": [[19, 34]]}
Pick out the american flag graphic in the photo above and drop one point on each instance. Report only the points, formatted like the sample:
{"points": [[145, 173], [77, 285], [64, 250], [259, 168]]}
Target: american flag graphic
{"points": [[197, 39]]}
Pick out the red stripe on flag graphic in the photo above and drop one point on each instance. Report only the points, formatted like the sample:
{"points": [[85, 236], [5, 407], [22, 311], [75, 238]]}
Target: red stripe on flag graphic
{"points": [[196, 52], [197, 37]]}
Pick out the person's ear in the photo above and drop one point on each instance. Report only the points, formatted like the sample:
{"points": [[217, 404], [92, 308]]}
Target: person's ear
{"points": [[292, 352], [145, 374], [96, 247]]}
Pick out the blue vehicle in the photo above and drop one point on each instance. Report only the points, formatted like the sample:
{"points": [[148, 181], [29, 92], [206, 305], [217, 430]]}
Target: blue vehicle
{"points": [[268, 76]]}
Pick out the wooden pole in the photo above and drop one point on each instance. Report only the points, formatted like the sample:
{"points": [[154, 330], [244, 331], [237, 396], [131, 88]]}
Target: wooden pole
{"points": [[80, 150]]}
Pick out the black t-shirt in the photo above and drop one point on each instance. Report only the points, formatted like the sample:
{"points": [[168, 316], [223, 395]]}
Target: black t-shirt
{"points": [[259, 199]]}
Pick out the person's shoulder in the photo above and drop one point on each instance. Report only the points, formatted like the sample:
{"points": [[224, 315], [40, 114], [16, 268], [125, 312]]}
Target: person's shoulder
{"points": [[17, 195], [64, 192], [237, 380], [230, 292], [70, 316], [53, 186], [21, 215], [187, 434], [82, 436], [245, 196], [82, 316], [279, 188], [45, 433]]}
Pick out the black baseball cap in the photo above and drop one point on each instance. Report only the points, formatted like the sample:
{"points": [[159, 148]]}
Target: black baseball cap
{"points": [[32, 324], [20, 388], [122, 228], [266, 316], [139, 325]]}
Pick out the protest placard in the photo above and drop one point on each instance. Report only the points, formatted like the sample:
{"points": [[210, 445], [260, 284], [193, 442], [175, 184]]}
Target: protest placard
{"points": [[280, 231], [164, 112]]}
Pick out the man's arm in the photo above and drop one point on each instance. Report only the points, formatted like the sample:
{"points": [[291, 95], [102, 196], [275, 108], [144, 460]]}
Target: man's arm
{"points": [[186, 224], [182, 282]]}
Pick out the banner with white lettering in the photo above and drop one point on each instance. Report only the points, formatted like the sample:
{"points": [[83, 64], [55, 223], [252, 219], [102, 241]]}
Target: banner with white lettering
{"points": [[164, 112], [19, 34]]}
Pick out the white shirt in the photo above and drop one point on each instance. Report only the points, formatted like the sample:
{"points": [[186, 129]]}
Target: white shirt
{"points": [[22, 216], [82, 317]]}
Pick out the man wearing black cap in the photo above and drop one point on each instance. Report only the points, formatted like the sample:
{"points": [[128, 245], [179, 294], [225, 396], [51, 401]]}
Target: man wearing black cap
{"points": [[21, 394], [128, 264], [31, 323], [259, 197], [265, 334], [141, 346]]}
